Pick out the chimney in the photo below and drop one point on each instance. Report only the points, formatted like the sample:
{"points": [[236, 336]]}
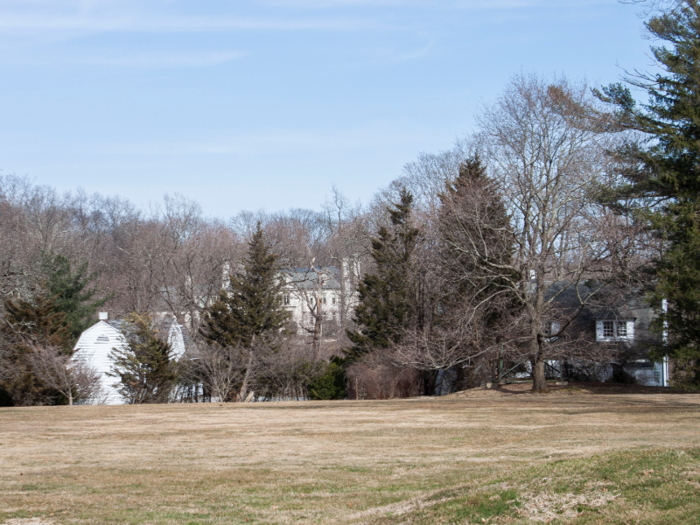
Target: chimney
{"points": [[102, 316]]}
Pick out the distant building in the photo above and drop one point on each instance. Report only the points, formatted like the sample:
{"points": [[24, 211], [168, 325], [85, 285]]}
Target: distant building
{"points": [[97, 342], [618, 323], [329, 291]]}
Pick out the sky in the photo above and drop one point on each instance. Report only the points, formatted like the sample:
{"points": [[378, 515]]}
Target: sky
{"points": [[269, 104]]}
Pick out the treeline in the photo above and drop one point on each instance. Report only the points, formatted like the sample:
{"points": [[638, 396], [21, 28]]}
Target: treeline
{"points": [[463, 260], [478, 258]]}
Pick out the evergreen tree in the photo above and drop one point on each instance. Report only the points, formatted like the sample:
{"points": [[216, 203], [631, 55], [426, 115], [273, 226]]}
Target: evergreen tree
{"points": [[476, 245], [252, 304], [145, 367], [28, 324], [38, 322], [251, 308], [386, 307], [664, 173], [330, 384], [72, 293]]}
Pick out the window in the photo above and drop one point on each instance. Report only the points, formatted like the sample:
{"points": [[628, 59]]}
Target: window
{"points": [[622, 329], [285, 299], [323, 299], [333, 299], [615, 330], [608, 328], [103, 339]]}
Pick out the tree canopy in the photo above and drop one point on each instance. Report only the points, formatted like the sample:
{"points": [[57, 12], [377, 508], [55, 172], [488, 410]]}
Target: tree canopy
{"points": [[72, 293], [386, 303], [662, 175], [252, 303]]}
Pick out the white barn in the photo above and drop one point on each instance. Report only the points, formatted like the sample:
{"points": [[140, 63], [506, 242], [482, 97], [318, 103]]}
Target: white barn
{"points": [[97, 342]]}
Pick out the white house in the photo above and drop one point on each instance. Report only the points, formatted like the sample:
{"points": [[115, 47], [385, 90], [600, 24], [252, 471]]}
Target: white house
{"points": [[97, 342], [331, 288]]}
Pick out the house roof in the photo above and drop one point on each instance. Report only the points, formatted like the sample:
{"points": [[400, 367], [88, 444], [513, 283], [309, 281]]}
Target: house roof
{"points": [[92, 334], [307, 278], [167, 326]]}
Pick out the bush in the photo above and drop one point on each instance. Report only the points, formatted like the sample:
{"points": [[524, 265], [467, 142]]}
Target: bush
{"points": [[330, 384]]}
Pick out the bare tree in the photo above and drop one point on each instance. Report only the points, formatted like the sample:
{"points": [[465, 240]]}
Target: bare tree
{"points": [[74, 379], [347, 248], [285, 369], [191, 256], [219, 370], [547, 158]]}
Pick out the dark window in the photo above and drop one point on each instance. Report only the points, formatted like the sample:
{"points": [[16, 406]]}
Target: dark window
{"points": [[608, 328]]}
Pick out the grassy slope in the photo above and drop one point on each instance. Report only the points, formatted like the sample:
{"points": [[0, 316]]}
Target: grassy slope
{"points": [[571, 459]]}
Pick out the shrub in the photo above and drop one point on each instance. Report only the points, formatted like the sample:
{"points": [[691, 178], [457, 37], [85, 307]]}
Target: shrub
{"points": [[330, 384]]}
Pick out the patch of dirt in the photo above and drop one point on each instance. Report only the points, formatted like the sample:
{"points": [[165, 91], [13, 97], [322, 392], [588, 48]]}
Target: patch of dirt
{"points": [[547, 507]]}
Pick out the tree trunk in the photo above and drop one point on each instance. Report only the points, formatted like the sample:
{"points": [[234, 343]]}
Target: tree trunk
{"points": [[539, 383], [318, 323], [318, 313], [244, 386]]}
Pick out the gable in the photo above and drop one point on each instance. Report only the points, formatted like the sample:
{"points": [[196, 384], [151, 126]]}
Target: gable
{"points": [[99, 334]]}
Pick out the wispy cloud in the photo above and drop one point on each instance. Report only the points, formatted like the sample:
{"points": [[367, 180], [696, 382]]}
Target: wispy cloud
{"points": [[163, 60], [397, 56], [75, 17], [22, 21], [480, 5]]}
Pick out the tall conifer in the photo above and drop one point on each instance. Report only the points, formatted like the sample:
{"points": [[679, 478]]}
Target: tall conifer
{"points": [[665, 172], [386, 297], [252, 304], [72, 293]]}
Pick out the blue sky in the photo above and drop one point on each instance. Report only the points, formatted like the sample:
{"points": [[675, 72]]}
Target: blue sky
{"points": [[268, 104]]}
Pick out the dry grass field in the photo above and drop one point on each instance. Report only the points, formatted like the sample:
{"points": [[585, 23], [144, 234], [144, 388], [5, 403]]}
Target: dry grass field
{"points": [[578, 455]]}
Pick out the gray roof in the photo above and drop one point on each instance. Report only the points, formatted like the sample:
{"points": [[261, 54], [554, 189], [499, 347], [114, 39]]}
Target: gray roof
{"points": [[307, 278]]}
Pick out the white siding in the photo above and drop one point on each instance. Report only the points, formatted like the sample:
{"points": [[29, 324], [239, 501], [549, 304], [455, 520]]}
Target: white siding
{"points": [[176, 341], [96, 344], [96, 353]]}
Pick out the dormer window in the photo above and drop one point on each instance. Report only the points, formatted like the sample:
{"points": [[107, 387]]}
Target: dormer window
{"points": [[609, 330]]}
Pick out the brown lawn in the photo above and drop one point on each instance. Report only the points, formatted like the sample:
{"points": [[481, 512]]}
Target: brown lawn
{"points": [[479, 457]]}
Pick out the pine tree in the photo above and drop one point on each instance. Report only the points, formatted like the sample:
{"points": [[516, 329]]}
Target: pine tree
{"points": [[252, 305], [251, 308], [28, 324], [386, 307], [145, 367], [38, 321], [476, 244], [665, 173], [72, 293]]}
